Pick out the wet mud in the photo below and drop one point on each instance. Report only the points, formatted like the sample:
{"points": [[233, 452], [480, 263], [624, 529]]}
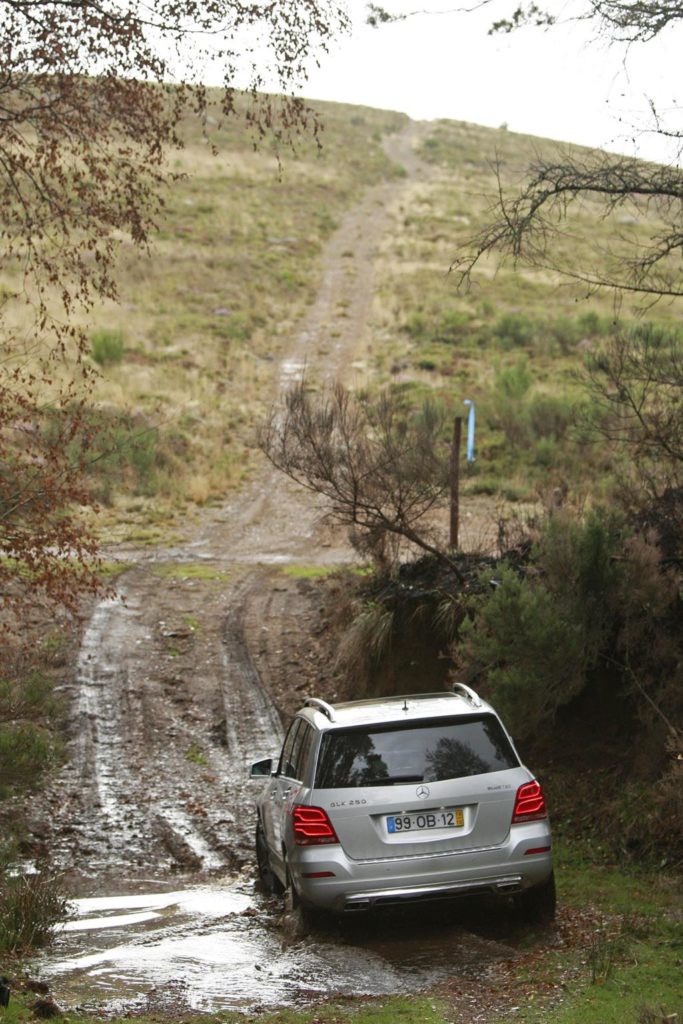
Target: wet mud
{"points": [[216, 947]]}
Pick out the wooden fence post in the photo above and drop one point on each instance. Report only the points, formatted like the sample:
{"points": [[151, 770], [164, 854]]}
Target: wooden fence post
{"points": [[455, 484]]}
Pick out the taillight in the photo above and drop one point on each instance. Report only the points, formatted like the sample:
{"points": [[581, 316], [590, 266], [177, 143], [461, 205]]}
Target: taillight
{"points": [[529, 803], [312, 826]]}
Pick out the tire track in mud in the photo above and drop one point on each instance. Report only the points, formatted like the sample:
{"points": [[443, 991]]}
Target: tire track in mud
{"points": [[253, 725], [167, 718]]}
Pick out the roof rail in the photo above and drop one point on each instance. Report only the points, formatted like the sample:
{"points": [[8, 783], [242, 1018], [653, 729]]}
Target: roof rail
{"points": [[321, 705], [464, 691]]}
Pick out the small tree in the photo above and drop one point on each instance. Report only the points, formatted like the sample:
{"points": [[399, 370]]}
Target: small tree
{"points": [[380, 466], [635, 384]]}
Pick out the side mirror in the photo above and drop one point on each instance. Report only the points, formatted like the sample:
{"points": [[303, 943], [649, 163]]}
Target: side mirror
{"points": [[261, 769]]}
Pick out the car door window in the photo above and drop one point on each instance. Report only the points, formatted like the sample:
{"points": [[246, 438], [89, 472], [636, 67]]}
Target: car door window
{"points": [[302, 749], [286, 765]]}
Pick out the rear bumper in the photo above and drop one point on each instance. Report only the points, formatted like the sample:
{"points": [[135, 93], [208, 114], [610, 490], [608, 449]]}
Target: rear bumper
{"points": [[357, 885], [422, 893]]}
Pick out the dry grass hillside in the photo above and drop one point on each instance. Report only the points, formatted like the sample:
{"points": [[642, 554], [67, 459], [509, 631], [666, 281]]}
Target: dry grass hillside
{"points": [[188, 359]]}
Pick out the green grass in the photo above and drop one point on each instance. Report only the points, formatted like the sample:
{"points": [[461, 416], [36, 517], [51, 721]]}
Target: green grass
{"points": [[628, 956], [189, 571], [107, 347], [400, 1010], [308, 572], [196, 755], [112, 570]]}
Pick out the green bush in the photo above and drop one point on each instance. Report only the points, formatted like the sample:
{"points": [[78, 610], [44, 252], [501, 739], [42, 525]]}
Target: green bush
{"points": [[417, 325], [31, 906], [453, 326], [107, 347], [531, 647], [545, 453], [592, 325], [124, 453], [565, 332], [514, 330], [513, 382], [509, 412], [550, 416], [27, 748], [541, 635]]}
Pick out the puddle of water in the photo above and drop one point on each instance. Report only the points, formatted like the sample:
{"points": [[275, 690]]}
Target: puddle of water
{"points": [[212, 948], [115, 921]]}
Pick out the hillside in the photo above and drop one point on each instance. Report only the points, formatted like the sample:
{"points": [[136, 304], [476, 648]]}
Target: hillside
{"points": [[187, 358]]}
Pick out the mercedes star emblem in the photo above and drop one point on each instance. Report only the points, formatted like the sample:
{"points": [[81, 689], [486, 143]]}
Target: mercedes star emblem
{"points": [[422, 792]]}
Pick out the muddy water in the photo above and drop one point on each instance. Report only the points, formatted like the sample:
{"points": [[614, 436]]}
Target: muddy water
{"points": [[215, 947]]}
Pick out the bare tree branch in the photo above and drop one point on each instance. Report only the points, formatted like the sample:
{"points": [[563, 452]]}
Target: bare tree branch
{"points": [[379, 466]]}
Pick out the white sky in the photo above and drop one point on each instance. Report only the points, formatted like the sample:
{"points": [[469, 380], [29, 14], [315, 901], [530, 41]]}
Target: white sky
{"points": [[553, 83]]}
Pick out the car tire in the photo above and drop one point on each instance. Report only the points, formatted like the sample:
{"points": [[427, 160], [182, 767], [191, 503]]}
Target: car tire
{"points": [[293, 901], [268, 879], [309, 915], [537, 905]]}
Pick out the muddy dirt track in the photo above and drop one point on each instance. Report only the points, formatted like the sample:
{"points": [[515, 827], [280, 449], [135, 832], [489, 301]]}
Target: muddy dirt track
{"points": [[178, 689]]}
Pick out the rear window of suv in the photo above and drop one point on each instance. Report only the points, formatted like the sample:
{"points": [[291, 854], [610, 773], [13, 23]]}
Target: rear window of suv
{"points": [[429, 751]]}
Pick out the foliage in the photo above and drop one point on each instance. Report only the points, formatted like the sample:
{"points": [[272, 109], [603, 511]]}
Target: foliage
{"points": [[26, 747], [597, 613], [107, 347], [31, 906], [531, 650], [634, 385]]}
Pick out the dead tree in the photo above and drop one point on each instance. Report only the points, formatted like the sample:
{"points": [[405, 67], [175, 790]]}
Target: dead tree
{"points": [[381, 467]]}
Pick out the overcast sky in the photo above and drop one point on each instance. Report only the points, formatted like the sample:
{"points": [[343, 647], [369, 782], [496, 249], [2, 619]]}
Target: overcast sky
{"points": [[553, 83]]}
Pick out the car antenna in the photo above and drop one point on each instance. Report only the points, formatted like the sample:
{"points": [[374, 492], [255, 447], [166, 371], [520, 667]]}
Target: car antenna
{"points": [[405, 705]]}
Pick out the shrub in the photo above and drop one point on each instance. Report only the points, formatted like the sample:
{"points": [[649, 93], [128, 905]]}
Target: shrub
{"points": [[597, 612], [107, 347], [509, 413], [549, 416], [541, 635], [31, 906], [514, 381], [366, 642], [531, 647], [545, 453], [592, 325], [514, 330], [453, 325], [27, 748], [565, 332], [417, 325]]}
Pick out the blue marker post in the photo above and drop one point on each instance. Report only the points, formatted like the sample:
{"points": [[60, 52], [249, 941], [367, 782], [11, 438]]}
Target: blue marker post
{"points": [[470, 430]]}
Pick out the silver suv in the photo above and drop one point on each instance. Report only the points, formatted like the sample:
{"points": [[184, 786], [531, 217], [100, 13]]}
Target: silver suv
{"points": [[402, 799]]}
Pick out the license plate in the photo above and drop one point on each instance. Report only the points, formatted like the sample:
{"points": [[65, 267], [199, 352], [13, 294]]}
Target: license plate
{"points": [[420, 821]]}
